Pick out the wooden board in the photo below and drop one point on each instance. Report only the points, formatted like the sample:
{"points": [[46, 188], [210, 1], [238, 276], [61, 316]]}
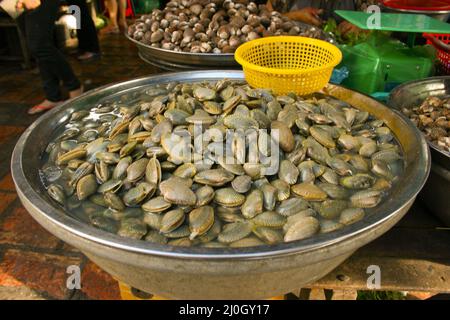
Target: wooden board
{"points": [[412, 256]]}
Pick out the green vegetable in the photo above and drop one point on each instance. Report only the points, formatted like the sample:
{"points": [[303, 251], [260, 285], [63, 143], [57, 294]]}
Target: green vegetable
{"points": [[350, 38]]}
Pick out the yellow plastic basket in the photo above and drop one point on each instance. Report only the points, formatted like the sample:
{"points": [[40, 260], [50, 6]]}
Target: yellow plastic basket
{"points": [[288, 63]]}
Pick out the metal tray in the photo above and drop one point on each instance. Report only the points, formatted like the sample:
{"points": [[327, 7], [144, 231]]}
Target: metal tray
{"points": [[201, 273], [178, 61], [172, 60], [413, 93]]}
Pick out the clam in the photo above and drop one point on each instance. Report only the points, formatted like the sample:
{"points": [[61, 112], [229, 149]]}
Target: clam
{"points": [[56, 192], [86, 168], [136, 170], [234, 231], [212, 233], [309, 191], [171, 220], [180, 232], [366, 198], [351, 215], [200, 221], [104, 223], [268, 235], [200, 117], [358, 181], [153, 220], [160, 130], [86, 186], [330, 209], [127, 149], [242, 184], [177, 193], [330, 226], [76, 153], [283, 135], [114, 201], [298, 216], [253, 204], [288, 172], [136, 195], [153, 171], [283, 189], [269, 219], [112, 185], [269, 196], [214, 177], [155, 237], [108, 157], [132, 228], [204, 195], [227, 197], [303, 228], [203, 93], [322, 136], [291, 206]]}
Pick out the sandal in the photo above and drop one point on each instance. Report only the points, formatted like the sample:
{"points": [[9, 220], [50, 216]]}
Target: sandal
{"points": [[42, 108], [88, 56]]}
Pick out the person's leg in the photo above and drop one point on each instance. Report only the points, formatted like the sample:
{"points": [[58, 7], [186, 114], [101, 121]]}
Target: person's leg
{"points": [[53, 66], [87, 35], [123, 14], [39, 35], [111, 6]]}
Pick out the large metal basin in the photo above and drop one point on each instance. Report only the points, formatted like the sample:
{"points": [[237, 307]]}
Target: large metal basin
{"points": [[251, 273], [436, 192], [182, 61], [172, 60]]}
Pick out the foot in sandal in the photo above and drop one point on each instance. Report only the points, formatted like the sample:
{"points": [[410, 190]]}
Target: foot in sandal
{"points": [[44, 106], [88, 56]]}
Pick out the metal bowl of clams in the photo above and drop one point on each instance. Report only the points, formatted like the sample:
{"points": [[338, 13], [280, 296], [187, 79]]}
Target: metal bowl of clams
{"points": [[178, 61], [412, 95], [198, 35], [172, 60], [253, 269]]}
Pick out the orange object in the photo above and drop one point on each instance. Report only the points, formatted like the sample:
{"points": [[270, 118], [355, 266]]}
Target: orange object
{"points": [[419, 5], [127, 293]]}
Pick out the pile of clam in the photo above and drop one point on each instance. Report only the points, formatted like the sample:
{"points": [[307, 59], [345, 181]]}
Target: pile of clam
{"points": [[218, 26], [432, 117], [220, 164]]}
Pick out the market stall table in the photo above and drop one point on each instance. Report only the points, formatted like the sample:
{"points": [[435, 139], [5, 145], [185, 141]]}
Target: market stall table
{"points": [[413, 256]]}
